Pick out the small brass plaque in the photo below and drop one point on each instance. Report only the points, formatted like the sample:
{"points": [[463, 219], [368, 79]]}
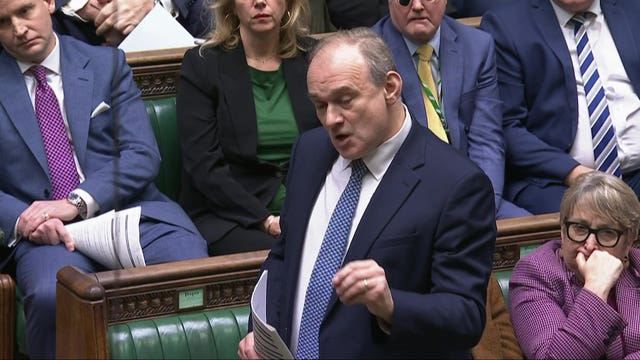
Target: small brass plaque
{"points": [[190, 298]]}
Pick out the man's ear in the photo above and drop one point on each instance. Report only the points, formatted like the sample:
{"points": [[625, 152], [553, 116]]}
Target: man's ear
{"points": [[393, 87], [51, 6]]}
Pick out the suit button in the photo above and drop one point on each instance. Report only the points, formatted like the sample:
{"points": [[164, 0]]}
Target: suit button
{"points": [[47, 193]]}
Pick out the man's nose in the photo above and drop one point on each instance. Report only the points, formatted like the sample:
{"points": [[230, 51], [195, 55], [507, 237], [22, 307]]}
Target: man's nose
{"points": [[333, 115], [19, 27]]}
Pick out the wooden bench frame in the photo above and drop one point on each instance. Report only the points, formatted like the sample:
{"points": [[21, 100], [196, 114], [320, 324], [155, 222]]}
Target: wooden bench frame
{"points": [[89, 303]]}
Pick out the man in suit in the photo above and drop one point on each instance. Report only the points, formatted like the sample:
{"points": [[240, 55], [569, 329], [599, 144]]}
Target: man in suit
{"points": [[110, 21], [416, 256], [464, 63], [546, 109], [103, 156]]}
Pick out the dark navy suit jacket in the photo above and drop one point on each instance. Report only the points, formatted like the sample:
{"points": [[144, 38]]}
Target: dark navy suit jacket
{"points": [[538, 87], [430, 225]]}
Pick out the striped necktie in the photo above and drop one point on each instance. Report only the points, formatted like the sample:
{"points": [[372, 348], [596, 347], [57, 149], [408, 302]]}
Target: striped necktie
{"points": [[327, 264], [605, 149], [435, 118]]}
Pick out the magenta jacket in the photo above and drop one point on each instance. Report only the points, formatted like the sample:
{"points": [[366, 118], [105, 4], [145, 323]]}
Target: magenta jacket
{"points": [[554, 318]]}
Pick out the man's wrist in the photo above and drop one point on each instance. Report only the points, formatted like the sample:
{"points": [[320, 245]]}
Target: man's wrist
{"points": [[72, 7], [75, 200]]}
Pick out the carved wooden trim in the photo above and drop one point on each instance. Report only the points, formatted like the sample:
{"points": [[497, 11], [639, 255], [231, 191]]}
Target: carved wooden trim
{"points": [[136, 305]]}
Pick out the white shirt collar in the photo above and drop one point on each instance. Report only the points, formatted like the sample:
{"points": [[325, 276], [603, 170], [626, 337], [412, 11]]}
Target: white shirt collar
{"points": [[565, 16]]}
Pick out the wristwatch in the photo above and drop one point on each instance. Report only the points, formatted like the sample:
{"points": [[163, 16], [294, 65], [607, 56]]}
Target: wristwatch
{"points": [[75, 200], [71, 7]]}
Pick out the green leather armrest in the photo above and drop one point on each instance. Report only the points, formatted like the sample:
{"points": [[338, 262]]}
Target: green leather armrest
{"points": [[503, 280], [205, 335]]}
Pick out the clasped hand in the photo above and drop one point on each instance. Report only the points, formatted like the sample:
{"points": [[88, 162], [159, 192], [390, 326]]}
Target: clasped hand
{"points": [[43, 222], [600, 272], [115, 19]]}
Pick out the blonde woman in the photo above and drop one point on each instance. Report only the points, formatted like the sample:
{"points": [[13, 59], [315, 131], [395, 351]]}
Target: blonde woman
{"points": [[242, 102]]}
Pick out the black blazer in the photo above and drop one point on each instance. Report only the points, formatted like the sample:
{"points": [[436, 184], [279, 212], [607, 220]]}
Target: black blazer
{"points": [[222, 176]]}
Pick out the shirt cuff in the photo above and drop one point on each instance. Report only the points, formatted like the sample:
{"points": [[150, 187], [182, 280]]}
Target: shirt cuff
{"points": [[14, 238], [71, 7]]}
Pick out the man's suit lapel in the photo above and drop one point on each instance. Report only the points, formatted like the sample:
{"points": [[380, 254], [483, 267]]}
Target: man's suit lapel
{"points": [[236, 82], [21, 113], [545, 19], [625, 40], [411, 88], [77, 82], [396, 186], [451, 57]]}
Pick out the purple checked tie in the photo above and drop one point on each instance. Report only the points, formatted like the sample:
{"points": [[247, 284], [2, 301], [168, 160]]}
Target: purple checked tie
{"points": [[62, 168]]}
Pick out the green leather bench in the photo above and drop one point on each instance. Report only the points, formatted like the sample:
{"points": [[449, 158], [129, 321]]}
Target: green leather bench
{"points": [[203, 335]]}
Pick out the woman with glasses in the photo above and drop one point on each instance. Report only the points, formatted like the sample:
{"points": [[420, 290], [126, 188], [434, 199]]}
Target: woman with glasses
{"points": [[579, 297]]}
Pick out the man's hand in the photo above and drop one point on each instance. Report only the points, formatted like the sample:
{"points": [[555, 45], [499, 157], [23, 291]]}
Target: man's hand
{"points": [[577, 171], [43, 222], [246, 349], [119, 17], [364, 282], [90, 10]]}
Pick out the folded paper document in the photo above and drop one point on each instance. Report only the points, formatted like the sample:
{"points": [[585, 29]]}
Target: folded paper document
{"points": [[267, 342], [112, 239], [158, 30]]}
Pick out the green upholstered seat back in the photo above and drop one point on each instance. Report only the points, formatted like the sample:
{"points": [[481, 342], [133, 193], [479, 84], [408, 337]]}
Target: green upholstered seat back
{"points": [[503, 276], [162, 113], [202, 335]]}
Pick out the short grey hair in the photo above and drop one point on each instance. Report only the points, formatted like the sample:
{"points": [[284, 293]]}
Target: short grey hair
{"points": [[606, 196], [372, 47]]}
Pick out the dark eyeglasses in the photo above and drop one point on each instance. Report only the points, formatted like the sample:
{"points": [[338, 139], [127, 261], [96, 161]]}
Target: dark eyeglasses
{"points": [[407, 2], [606, 237]]}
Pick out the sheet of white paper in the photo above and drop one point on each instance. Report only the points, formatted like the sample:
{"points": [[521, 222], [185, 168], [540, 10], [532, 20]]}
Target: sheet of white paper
{"points": [[267, 341], [158, 30], [112, 239]]}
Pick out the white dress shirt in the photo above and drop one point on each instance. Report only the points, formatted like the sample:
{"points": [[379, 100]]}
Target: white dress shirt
{"points": [[336, 181], [624, 104]]}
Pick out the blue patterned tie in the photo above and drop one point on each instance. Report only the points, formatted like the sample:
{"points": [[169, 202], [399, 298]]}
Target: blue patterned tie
{"points": [[604, 137], [329, 258]]}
